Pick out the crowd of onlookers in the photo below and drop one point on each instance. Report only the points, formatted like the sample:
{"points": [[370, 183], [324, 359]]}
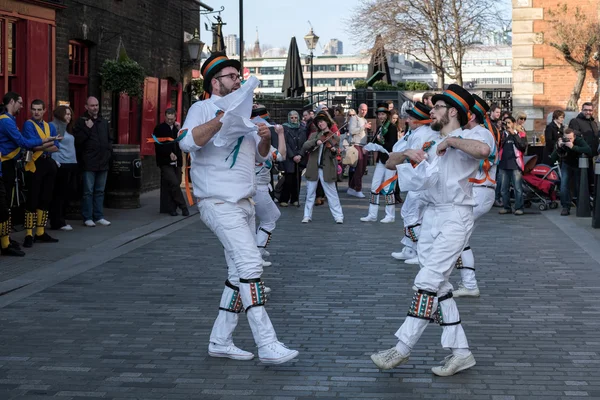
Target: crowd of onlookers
{"points": [[44, 165]]}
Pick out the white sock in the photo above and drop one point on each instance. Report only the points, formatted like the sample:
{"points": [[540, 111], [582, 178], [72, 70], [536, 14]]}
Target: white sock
{"points": [[403, 349], [461, 352]]}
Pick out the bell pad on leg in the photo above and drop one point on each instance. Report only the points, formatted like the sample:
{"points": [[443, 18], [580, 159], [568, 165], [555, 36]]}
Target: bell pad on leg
{"points": [[411, 233], [268, 237], [390, 199], [459, 263], [374, 198], [233, 302], [422, 305], [42, 218], [257, 292], [439, 314], [30, 218]]}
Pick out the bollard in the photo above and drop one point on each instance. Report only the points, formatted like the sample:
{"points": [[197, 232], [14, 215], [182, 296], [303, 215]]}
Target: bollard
{"points": [[596, 216], [583, 199]]}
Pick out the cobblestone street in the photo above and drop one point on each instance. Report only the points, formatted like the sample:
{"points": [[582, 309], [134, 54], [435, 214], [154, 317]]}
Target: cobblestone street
{"points": [[137, 326]]}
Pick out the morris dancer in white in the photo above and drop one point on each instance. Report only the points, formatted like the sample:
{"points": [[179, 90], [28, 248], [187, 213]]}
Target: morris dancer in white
{"points": [[447, 222], [266, 211], [412, 210], [484, 190], [384, 180], [223, 178]]}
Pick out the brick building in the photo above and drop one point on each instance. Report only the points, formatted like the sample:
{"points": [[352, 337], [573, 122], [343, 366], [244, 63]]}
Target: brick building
{"points": [[53, 50], [542, 80]]}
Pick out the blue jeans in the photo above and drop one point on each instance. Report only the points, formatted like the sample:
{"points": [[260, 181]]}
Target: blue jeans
{"points": [[498, 186], [513, 176], [92, 203], [568, 173]]}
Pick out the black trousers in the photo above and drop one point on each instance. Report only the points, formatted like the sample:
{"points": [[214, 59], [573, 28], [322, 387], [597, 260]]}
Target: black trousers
{"points": [[171, 196], [65, 189], [8, 176], [4, 209], [291, 186], [40, 184]]}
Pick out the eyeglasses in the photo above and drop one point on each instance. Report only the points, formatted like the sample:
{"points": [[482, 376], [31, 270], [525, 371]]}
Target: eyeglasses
{"points": [[438, 106], [523, 118], [587, 110], [232, 76]]}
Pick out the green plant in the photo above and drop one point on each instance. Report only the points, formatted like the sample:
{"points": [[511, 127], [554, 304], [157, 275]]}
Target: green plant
{"points": [[197, 89], [415, 86], [401, 85], [360, 84], [123, 76]]}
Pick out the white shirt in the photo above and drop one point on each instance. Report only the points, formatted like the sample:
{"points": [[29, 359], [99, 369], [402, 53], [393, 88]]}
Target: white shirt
{"points": [[415, 138], [213, 175], [356, 127], [262, 170], [484, 135], [455, 168]]}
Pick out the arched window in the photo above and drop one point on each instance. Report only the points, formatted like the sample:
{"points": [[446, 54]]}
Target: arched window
{"points": [[78, 76]]}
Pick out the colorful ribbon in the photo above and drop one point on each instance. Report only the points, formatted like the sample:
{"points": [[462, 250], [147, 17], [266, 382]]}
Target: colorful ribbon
{"points": [[160, 140], [235, 151]]}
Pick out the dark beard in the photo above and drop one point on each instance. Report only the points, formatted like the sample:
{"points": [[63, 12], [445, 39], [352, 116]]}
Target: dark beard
{"points": [[440, 123]]}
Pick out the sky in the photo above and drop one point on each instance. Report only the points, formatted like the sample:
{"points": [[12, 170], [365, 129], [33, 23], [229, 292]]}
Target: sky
{"points": [[278, 20]]}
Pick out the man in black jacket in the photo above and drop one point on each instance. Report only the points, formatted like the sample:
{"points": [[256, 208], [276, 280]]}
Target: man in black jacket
{"points": [[169, 160], [94, 148], [585, 126], [568, 149]]}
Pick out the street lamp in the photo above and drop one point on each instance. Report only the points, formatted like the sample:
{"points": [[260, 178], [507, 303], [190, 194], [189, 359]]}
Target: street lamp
{"points": [[194, 46], [311, 42]]}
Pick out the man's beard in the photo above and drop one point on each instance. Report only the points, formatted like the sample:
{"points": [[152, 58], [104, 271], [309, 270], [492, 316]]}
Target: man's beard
{"points": [[438, 124], [224, 91]]}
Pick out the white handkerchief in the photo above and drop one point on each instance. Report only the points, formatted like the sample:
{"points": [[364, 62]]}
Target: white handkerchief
{"points": [[422, 177], [236, 120], [375, 147]]}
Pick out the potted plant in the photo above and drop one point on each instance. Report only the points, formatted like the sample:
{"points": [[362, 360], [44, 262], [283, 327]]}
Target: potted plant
{"points": [[123, 75]]}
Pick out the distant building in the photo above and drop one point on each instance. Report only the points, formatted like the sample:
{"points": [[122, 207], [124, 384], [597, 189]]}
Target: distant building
{"points": [[232, 44], [334, 47]]}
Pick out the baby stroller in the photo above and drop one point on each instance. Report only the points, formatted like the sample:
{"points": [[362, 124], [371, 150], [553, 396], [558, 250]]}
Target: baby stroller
{"points": [[541, 184]]}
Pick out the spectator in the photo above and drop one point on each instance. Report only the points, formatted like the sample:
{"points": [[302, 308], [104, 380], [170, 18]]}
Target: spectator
{"points": [[585, 125], [66, 176], [568, 150], [553, 131], [495, 113], [512, 145], [521, 117], [94, 146], [170, 160], [339, 118], [358, 127], [426, 99], [294, 163], [390, 104], [395, 120]]}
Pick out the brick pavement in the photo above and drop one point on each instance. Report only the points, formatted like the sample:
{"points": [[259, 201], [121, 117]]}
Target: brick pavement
{"points": [[137, 326]]}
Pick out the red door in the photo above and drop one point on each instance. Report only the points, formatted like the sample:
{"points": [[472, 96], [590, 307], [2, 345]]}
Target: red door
{"points": [[149, 114]]}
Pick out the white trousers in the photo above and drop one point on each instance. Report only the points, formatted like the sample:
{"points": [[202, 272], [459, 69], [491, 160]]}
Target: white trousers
{"points": [[233, 224], [267, 214], [485, 201], [412, 216], [332, 198], [381, 175], [445, 231]]}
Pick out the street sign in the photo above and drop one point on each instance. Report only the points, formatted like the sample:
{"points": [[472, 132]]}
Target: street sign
{"points": [[246, 73]]}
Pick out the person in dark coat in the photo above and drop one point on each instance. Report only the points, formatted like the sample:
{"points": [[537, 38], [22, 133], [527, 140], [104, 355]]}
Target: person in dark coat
{"points": [[169, 160], [553, 131], [94, 149], [295, 161], [585, 126]]}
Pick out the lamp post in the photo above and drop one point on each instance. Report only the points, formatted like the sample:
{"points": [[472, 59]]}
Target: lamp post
{"points": [[311, 42], [194, 47]]}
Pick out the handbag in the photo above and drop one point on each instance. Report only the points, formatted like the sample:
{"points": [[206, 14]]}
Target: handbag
{"points": [[350, 156]]}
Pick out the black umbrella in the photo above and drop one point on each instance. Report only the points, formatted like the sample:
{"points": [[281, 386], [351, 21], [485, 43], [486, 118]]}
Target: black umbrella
{"points": [[293, 80], [379, 64]]}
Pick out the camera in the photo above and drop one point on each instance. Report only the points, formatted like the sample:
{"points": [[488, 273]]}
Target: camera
{"points": [[563, 140]]}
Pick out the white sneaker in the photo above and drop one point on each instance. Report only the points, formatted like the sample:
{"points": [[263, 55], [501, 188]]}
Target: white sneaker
{"points": [[67, 228], [230, 351], [388, 220], [89, 223], [339, 221], [368, 219], [351, 192], [407, 252], [267, 290], [388, 359], [305, 220], [360, 195], [264, 253], [464, 292], [103, 222], [454, 364], [412, 261], [276, 353], [267, 263]]}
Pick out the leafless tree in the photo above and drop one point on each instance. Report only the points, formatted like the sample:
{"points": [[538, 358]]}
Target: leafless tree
{"points": [[437, 32], [576, 38]]}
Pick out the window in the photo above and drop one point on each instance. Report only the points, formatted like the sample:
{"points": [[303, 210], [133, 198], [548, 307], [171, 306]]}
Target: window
{"points": [[354, 67], [347, 81], [8, 52], [322, 82], [324, 68], [252, 70], [78, 59], [271, 83], [272, 70]]}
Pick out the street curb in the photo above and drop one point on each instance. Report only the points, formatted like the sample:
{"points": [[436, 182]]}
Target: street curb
{"points": [[580, 235], [15, 289]]}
